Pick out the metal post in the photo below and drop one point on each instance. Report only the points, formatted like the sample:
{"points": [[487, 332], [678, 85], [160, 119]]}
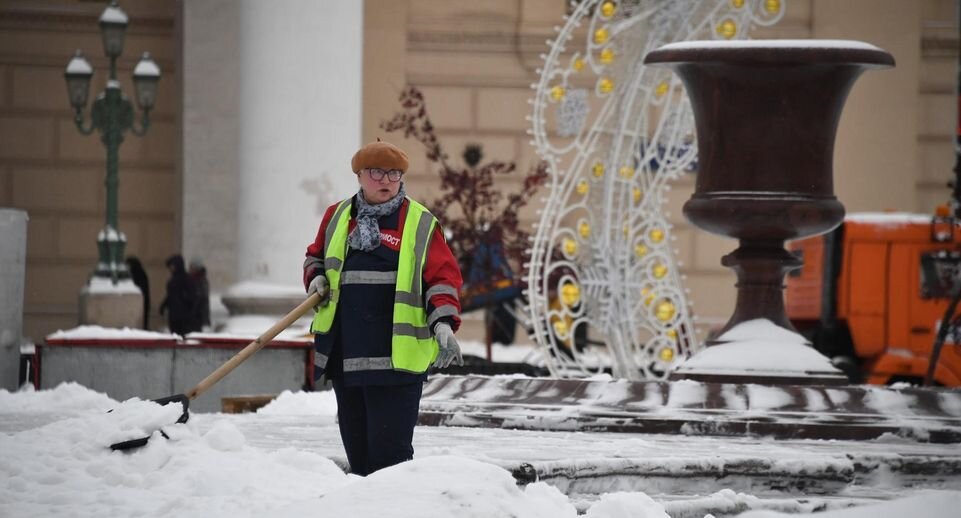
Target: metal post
{"points": [[956, 184], [112, 114], [948, 320]]}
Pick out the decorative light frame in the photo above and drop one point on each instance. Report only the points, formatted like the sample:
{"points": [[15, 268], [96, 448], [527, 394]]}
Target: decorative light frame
{"points": [[601, 253]]}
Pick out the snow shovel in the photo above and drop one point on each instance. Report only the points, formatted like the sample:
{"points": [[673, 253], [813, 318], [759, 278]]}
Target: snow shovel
{"points": [[225, 369]]}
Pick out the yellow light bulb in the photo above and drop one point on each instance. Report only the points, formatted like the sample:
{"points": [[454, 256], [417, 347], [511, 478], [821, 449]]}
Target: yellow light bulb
{"points": [[598, 170], [666, 354], [737, 4], [727, 29], [570, 294], [557, 93], [665, 311], [672, 333], [605, 86], [583, 187], [637, 194], [560, 329], [584, 229], [601, 36], [659, 271], [640, 250], [656, 235], [570, 247], [626, 172], [608, 9], [607, 56], [648, 299], [772, 6], [662, 89], [627, 229]]}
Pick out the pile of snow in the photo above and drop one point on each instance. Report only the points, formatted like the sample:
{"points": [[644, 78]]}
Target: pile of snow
{"points": [[761, 329], [66, 399], [932, 504], [440, 486], [626, 505], [759, 347], [251, 326], [67, 468], [893, 219], [302, 403], [264, 289], [108, 333], [105, 285]]}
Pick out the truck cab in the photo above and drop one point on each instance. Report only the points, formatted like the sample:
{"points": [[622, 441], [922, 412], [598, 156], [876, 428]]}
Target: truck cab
{"points": [[872, 293]]}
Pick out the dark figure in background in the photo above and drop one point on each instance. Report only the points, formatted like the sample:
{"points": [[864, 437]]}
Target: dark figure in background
{"points": [[198, 273], [180, 303], [139, 277]]}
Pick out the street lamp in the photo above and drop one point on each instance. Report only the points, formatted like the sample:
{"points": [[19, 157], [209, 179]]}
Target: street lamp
{"points": [[112, 114]]}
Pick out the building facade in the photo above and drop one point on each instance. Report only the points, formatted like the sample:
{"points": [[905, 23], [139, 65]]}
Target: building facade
{"points": [[253, 99]]}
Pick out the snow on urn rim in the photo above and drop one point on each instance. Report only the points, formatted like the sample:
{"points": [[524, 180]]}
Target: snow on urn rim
{"points": [[771, 44], [772, 52]]}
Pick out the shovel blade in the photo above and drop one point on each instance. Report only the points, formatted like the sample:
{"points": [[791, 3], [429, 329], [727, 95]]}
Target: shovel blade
{"points": [[137, 443]]}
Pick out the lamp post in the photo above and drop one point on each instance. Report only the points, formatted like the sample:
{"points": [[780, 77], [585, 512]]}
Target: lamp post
{"points": [[112, 114]]}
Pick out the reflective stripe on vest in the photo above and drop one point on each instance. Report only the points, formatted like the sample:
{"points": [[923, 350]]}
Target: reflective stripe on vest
{"points": [[358, 277], [413, 348], [335, 248]]}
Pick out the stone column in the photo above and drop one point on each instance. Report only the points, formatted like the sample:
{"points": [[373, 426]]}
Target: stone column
{"points": [[300, 113], [211, 135], [275, 88], [13, 258]]}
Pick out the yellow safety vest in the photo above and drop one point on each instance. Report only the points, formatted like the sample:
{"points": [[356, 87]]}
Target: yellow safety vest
{"points": [[413, 348]]}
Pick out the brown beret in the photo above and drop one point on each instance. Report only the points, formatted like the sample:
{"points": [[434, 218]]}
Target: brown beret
{"points": [[380, 155]]}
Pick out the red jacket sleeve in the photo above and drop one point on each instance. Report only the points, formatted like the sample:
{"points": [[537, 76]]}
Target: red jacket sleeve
{"points": [[442, 282], [314, 262]]}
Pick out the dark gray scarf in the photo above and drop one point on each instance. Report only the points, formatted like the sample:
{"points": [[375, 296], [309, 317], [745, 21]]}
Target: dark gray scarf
{"points": [[366, 235]]}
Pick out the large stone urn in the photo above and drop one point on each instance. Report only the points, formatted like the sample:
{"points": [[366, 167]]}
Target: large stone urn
{"points": [[766, 113]]}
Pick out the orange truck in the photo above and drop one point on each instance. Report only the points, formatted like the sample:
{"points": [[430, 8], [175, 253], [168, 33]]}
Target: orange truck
{"points": [[872, 295]]}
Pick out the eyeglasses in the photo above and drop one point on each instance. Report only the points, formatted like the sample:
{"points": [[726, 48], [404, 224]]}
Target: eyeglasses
{"points": [[378, 174]]}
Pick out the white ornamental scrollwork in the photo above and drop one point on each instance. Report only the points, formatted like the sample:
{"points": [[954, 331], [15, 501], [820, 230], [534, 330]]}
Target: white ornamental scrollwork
{"points": [[615, 133]]}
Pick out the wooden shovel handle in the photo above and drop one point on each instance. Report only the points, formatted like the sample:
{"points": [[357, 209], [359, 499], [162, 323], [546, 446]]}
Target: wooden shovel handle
{"points": [[253, 347]]}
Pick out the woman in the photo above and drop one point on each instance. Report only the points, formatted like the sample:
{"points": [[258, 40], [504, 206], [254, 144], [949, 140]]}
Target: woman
{"points": [[389, 308]]}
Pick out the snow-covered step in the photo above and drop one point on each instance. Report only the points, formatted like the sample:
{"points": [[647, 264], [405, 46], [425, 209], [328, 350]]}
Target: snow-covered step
{"points": [[728, 503], [694, 408]]}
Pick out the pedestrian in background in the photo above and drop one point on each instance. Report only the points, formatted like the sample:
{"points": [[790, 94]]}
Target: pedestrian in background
{"points": [[389, 308], [139, 277], [198, 274], [180, 304]]}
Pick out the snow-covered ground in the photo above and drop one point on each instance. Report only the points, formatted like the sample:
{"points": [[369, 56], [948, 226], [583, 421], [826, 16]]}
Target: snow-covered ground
{"points": [[285, 461]]}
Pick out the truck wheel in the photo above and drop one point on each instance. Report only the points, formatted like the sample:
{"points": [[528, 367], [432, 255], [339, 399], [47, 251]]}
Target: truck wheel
{"points": [[503, 324], [910, 380], [850, 367]]}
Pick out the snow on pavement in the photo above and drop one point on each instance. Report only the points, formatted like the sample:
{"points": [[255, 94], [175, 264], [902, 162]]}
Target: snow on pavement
{"points": [[278, 462], [930, 503], [65, 468]]}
